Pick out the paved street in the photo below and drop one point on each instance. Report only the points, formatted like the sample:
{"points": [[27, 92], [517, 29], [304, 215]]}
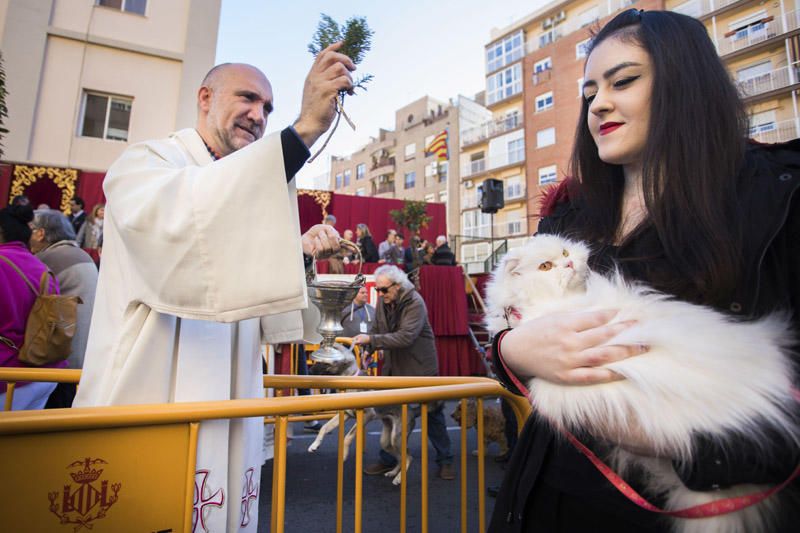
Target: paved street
{"points": [[311, 486]]}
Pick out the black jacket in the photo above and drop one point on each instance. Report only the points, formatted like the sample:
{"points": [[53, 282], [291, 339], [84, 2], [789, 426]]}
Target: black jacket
{"points": [[550, 486], [368, 250], [443, 256]]}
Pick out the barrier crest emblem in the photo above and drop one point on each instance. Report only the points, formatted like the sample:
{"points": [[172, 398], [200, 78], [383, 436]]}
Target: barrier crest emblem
{"points": [[89, 499]]}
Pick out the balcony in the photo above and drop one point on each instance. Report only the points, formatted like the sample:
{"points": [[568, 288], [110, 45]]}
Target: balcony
{"points": [[382, 188], [776, 132], [758, 33], [769, 81], [490, 129], [381, 166], [483, 165]]}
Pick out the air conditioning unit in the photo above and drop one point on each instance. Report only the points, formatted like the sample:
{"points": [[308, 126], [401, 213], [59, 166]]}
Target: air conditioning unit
{"points": [[548, 22], [561, 16], [468, 185]]}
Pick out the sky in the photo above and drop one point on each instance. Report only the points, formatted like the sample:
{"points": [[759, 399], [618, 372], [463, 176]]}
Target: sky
{"points": [[419, 47]]}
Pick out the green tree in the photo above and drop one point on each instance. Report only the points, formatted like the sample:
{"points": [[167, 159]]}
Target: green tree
{"points": [[3, 108], [412, 216]]}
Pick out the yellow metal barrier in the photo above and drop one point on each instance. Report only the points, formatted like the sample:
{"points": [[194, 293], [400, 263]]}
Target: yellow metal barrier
{"points": [[136, 441]]}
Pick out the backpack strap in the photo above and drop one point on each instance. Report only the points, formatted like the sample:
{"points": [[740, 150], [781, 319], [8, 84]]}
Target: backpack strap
{"points": [[44, 283], [23, 276]]}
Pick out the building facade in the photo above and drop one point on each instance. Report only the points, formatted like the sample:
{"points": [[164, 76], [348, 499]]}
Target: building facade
{"points": [[87, 77], [395, 165]]}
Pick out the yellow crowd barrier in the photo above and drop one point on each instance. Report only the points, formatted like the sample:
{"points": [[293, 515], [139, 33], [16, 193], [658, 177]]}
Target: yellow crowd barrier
{"points": [[150, 450]]}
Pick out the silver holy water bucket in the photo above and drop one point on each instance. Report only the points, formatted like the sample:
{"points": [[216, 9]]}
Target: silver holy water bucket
{"points": [[330, 297]]}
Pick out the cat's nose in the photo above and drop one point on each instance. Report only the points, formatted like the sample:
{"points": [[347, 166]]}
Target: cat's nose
{"points": [[569, 264]]}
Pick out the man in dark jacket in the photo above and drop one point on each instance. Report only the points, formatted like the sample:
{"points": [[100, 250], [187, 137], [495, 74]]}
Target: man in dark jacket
{"points": [[77, 215], [443, 255], [403, 332]]}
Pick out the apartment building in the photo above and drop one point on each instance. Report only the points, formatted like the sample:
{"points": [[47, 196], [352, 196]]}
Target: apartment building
{"points": [[87, 77], [395, 165], [760, 45]]}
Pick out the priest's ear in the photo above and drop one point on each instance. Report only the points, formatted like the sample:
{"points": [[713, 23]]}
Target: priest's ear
{"points": [[204, 96]]}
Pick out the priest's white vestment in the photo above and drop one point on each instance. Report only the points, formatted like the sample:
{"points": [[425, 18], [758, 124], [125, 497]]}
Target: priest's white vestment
{"points": [[202, 263]]}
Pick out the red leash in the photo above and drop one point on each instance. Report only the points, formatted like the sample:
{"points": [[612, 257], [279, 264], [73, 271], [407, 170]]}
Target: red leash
{"points": [[705, 510]]}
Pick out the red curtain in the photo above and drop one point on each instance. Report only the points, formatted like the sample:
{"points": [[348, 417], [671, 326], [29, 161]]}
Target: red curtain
{"points": [[374, 212], [90, 189]]}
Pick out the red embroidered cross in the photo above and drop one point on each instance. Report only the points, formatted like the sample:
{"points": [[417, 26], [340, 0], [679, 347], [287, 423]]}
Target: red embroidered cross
{"points": [[201, 501], [249, 493]]}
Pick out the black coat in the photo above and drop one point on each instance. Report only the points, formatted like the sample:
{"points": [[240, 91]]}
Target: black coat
{"points": [[369, 251], [550, 486], [443, 256]]}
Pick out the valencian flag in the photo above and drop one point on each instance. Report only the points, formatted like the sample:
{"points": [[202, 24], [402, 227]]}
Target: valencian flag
{"points": [[438, 147]]}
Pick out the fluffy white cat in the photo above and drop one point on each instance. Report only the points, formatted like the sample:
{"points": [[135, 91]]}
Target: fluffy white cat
{"points": [[704, 373]]}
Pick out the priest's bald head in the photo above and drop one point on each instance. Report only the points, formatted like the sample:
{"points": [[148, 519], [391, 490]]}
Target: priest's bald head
{"points": [[233, 104]]}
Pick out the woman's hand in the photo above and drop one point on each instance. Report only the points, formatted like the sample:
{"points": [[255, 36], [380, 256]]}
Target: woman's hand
{"points": [[567, 348]]}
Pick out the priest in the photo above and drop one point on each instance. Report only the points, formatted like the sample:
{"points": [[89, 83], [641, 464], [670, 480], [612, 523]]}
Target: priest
{"points": [[203, 263]]}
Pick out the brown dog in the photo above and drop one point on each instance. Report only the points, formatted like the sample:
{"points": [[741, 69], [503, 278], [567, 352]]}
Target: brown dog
{"points": [[493, 423]]}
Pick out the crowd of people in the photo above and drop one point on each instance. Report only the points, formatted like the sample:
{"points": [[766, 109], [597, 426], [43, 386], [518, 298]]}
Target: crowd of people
{"points": [[391, 251]]}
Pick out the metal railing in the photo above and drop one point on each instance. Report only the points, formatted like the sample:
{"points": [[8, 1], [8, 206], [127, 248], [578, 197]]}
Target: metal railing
{"points": [[769, 81], [781, 24], [490, 129], [483, 165], [776, 132], [26, 433]]}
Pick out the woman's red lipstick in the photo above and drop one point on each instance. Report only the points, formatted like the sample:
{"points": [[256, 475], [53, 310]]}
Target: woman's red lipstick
{"points": [[608, 127]]}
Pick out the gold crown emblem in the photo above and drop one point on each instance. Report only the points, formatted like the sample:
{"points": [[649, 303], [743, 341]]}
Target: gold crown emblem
{"points": [[86, 475]]}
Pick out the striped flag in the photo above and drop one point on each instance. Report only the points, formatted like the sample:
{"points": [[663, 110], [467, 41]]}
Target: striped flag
{"points": [[438, 147]]}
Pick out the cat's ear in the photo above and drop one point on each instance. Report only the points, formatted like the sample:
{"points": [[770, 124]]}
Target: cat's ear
{"points": [[510, 265]]}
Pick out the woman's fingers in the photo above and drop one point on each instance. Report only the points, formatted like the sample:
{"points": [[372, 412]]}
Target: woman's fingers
{"points": [[603, 355], [590, 376], [596, 336]]}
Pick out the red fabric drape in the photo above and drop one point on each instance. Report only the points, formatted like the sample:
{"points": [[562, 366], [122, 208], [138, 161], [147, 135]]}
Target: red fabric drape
{"points": [[5, 183], [374, 212], [44, 191], [310, 211], [90, 189]]}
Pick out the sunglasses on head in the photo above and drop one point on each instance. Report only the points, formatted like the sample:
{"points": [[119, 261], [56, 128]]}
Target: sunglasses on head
{"points": [[384, 290]]}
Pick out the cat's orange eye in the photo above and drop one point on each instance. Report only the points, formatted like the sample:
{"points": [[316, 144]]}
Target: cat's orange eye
{"points": [[565, 253], [547, 265]]}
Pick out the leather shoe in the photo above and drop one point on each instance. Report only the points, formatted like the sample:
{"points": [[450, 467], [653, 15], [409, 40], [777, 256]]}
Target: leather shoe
{"points": [[376, 469], [446, 472]]}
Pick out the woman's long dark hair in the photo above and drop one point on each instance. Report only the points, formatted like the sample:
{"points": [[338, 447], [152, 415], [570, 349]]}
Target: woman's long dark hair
{"points": [[694, 150]]}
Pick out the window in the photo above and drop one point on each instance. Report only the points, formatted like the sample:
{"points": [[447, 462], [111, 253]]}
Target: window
{"points": [[338, 181], [347, 174], [692, 8], [542, 65], [516, 151], [430, 197], [411, 178], [504, 52], [544, 101], [754, 71], [761, 123], [411, 150], [514, 188], [547, 38], [548, 175], [545, 137], [361, 171], [443, 166], [131, 6], [750, 27], [582, 49], [443, 196], [476, 224], [504, 84], [106, 117], [589, 16], [361, 191]]}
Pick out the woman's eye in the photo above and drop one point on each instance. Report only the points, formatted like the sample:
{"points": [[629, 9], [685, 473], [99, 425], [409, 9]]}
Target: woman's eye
{"points": [[625, 81], [565, 253], [547, 265]]}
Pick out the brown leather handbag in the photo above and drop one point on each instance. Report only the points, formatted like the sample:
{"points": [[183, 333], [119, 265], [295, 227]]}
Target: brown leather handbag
{"points": [[51, 323]]}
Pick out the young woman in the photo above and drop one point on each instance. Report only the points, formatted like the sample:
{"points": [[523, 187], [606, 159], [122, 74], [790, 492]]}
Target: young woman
{"points": [[369, 251], [666, 186], [90, 234]]}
